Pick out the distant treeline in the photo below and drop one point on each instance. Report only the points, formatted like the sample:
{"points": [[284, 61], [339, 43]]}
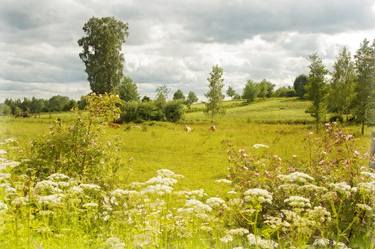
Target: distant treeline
{"points": [[34, 106]]}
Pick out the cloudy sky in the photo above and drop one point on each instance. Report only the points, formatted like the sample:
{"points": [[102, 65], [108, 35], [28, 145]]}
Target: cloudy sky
{"points": [[176, 42]]}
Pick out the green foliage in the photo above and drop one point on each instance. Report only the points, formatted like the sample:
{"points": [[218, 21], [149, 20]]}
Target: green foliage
{"points": [[364, 91], [265, 89], [101, 53], [143, 111], [299, 85], [75, 148], [341, 91], [214, 94], [284, 91], [5, 109], [162, 95], [179, 95], [317, 89], [250, 92], [174, 111], [128, 90], [191, 99], [151, 111], [231, 92]]}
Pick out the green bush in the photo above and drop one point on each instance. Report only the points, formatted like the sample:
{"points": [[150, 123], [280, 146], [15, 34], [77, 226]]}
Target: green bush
{"points": [[151, 111], [174, 111]]}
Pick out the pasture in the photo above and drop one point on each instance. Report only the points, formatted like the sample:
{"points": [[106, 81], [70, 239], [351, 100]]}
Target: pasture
{"points": [[201, 155]]}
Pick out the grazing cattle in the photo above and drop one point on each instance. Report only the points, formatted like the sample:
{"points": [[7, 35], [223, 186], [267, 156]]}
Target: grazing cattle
{"points": [[212, 128], [188, 129], [114, 125]]}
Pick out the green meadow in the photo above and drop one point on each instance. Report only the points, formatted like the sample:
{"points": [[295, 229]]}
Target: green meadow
{"points": [[201, 155]]}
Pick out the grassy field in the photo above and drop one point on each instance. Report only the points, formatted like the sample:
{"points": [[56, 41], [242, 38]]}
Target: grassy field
{"points": [[200, 155]]}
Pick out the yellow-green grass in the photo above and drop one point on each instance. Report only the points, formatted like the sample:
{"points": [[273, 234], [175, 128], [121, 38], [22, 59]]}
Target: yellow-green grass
{"points": [[200, 155]]}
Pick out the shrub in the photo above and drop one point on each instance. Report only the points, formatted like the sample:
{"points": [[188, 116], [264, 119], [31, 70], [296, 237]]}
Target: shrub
{"points": [[151, 111], [174, 111]]}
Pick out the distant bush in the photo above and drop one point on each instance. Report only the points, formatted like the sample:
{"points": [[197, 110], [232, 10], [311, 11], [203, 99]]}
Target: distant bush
{"points": [[151, 111], [174, 111]]}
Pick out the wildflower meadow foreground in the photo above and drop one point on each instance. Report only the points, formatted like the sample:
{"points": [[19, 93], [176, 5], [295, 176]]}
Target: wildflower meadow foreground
{"points": [[271, 204]]}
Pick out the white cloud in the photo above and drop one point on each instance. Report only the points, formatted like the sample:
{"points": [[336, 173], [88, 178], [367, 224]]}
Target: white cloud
{"points": [[176, 43]]}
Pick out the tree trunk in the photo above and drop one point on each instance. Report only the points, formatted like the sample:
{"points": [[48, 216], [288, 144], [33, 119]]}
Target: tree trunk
{"points": [[363, 128]]}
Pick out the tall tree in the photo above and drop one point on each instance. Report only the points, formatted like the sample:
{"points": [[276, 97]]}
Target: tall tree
{"points": [[215, 95], [161, 95], [251, 91], [101, 53], [128, 90], [317, 89], [231, 92], [265, 89], [341, 91], [179, 95], [365, 67], [191, 99], [299, 85]]}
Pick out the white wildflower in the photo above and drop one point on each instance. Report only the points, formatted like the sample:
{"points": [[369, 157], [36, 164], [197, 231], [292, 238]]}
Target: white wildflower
{"points": [[90, 187], [50, 200], [258, 146], [226, 239], [296, 177], [259, 195], [47, 187], [364, 207], [114, 243], [19, 201], [260, 242], [158, 189], [58, 177], [341, 187], [225, 181], [2, 152], [238, 231], [3, 207], [90, 205], [368, 174], [216, 202], [298, 202], [324, 243], [161, 180]]}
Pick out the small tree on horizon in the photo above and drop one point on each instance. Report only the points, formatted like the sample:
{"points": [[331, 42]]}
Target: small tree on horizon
{"points": [[191, 99], [231, 92], [250, 92], [214, 94], [128, 90], [299, 85], [317, 89], [179, 95], [341, 91]]}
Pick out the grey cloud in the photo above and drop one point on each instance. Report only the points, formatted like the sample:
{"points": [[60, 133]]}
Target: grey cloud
{"points": [[174, 42]]}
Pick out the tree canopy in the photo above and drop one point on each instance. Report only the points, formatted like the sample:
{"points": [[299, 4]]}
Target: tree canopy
{"points": [[102, 45]]}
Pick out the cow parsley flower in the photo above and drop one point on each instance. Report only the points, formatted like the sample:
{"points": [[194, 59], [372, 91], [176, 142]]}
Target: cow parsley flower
{"points": [[50, 200], [298, 202], [238, 231], [216, 202], [90, 187], [226, 239], [259, 195], [158, 189], [47, 187], [114, 243], [260, 242], [324, 243], [58, 177], [3, 207], [296, 177], [225, 181], [341, 187], [90, 205]]}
